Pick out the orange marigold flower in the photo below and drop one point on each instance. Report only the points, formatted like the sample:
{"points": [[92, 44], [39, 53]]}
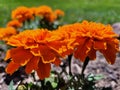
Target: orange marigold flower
{"points": [[51, 18], [66, 33], [36, 50], [33, 9], [14, 23], [59, 12], [43, 10], [22, 13], [46, 13], [93, 36], [6, 33]]}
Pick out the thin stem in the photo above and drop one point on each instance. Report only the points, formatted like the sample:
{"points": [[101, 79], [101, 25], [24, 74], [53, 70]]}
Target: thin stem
{"points": [[33, 75], [84, 65], [42, 84], [69, 62]]}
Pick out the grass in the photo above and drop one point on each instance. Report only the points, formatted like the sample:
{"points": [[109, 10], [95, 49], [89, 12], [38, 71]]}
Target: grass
{"points": [[105, 11]]}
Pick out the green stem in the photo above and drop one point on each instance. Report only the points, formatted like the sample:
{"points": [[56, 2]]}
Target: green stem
{"points": [[33, 75], [69, 62], [84, 65], [42, 84]]}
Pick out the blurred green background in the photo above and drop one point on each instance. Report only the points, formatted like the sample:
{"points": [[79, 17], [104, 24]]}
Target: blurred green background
{"points": [[104, 11]]}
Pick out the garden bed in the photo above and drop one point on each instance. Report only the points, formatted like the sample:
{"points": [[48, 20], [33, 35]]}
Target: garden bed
{"points": [[110, 73]]}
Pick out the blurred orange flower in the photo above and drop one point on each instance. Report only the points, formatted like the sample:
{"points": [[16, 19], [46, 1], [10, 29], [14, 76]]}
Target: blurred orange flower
{"points": [[35, 49], [6, 33], [51, 18], [14, 23], [33, 10], [22, 13], [93, 36], [46, 13], [43, 10], [59, 12]]}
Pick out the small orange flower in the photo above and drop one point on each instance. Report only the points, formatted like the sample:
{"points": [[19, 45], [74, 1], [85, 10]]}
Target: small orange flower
{"points": [[59, 12], [35, 49], [6, 33], [93, 36], [22, 13], [14, 23], [33, 10], [51, 18], [43, 10]]}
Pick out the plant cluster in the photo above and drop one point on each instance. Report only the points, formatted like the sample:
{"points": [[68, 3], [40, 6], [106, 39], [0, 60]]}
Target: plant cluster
{"points": [[39, 41]]}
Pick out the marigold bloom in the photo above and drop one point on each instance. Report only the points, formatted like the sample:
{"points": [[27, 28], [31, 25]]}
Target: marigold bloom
{"points": [[63, 37], [36, 50], [43, 10], [46, 13], [22, 13], [67, 33], [59, 12], [51, 18], [33, 9], [6, 33], [14, 23], [94, 37]]}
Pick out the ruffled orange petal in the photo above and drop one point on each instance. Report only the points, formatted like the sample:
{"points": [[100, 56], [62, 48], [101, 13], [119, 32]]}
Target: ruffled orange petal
{"points": [[35, 51], [12, 67], [20, 55], [110, 53], [8, 55], [13, 41], [47, 54], [99, 45], [57, 62], [43, 70], [56, 45], [82, 50], [92, 54], [32, 65], [60, 47], [30, 45]]}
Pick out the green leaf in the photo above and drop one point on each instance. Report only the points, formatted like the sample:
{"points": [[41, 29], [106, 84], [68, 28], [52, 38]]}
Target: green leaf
{"points": [[52, 80], [30, 85], [54, 84], [92, 77], [10, 87], [98, 77]]}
